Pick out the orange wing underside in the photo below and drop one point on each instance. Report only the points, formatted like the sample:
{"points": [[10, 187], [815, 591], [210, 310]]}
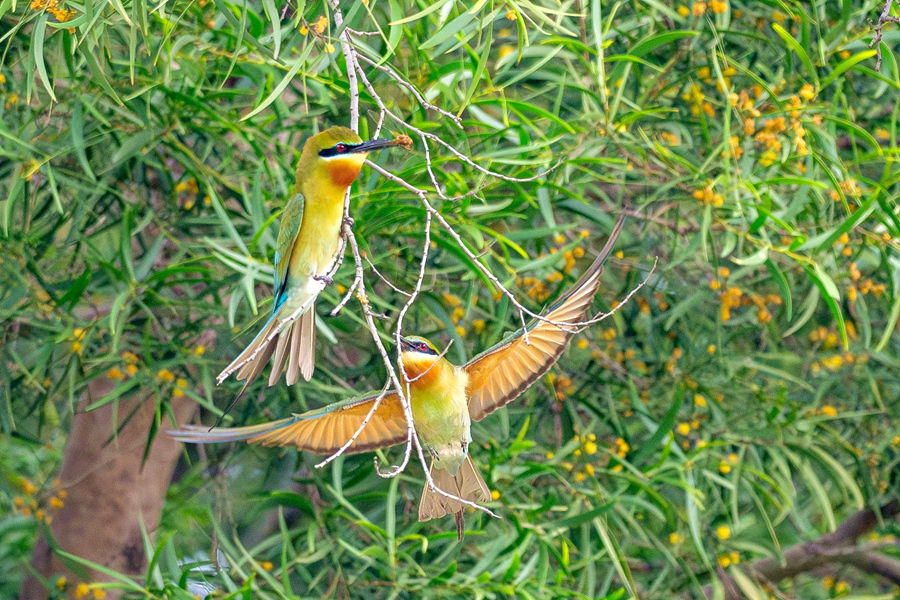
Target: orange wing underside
{"points": [[326, 434], [497, 377]]}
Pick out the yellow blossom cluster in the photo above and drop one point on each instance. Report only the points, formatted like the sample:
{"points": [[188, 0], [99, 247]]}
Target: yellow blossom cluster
{"points": [[562, 384], [669, 139], [458, 312], [130, 361], [734, 297], [726, 560], [78, 334], [190, 188], [52, 6], [535, 288], [726, 463], [694, 96], [707, 195], [837, 586], [83, 589], [39, 504]]}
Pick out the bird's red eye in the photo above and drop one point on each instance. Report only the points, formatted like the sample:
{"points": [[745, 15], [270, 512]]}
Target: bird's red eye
{"points": [[423, 346], [341, 147]]}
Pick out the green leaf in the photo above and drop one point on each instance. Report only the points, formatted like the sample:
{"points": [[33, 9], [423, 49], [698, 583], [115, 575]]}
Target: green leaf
{"points": [[40, 29], [798, 49], [846, 64]]}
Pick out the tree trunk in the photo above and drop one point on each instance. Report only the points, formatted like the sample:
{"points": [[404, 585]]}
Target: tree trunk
{"points": [[108, 490]]}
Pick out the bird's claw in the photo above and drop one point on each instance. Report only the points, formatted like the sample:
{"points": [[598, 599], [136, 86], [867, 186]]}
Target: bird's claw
{"points": [[324, 279], [348, 221]]}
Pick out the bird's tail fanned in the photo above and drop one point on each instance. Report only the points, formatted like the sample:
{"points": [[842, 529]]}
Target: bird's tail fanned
{"points": [[199, 434], [292, 343], [467, 484]]}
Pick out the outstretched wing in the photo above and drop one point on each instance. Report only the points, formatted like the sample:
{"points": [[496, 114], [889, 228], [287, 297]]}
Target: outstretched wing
{"points": [[322, 431], [497, 376], [291, 219]]}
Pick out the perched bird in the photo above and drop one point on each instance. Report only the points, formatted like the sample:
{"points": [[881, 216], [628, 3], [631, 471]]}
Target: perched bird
{"points": [[444, 398], [308, 243]]}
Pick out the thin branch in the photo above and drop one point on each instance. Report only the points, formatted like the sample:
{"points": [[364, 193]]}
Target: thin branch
{"points": [[383, 278], [876, 41], [421, 98]]}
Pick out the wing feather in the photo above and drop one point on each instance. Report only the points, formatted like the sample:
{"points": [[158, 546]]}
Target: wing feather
{"points": [[321, 431], [499, 375], [291, 219]]}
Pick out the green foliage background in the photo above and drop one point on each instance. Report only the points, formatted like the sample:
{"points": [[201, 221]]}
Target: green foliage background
{"points": [[138, 212]]}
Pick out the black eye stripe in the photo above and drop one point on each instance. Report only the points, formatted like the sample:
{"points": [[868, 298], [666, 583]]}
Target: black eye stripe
{"points": [[335, 150]]}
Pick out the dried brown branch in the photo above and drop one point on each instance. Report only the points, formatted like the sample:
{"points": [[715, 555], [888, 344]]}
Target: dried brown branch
{"points": [[833, 549]]}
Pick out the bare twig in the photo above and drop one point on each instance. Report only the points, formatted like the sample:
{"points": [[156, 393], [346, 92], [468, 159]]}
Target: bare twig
{"points": [[876, 41], [350, 58], [383, 278]]}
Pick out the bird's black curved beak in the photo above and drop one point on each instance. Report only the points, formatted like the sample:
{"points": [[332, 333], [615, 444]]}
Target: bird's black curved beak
{"points": [[379, 144], [405, 344]]}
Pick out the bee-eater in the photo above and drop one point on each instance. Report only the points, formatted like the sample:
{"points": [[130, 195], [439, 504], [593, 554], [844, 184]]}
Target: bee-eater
{"points": [[444, 398], [307, 248]]}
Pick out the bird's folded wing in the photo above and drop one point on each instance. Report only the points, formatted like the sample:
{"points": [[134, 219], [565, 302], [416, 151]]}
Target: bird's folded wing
{"points": [[322, 431], [499, 375], [291, 219]]}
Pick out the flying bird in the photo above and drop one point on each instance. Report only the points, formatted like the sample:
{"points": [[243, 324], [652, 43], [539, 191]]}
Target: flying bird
{"points": [[444, 398], [306, 250]]}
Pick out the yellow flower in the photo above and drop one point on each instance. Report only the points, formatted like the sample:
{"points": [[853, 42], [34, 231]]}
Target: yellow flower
{"points": [[303, 30], [99, 594], [266, 565], [550, 455], [673, 538], [684, 11], [131, 370], [320, 24], [735, 558], [495, 494], [829, 411], [833, 363], [511, 15], [28, 487], [718, 6], [724, 561], [807, 92], [329, 48], [683, 428], [130, 358], [478, 325], [711, 348], [461, 331], [76, 347], [699, 8], [61, 584], [723, 532], [78, 334], [166, 375], [56, 503], [115, 373], [590, 448], [724, 468], [82, 590]]}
